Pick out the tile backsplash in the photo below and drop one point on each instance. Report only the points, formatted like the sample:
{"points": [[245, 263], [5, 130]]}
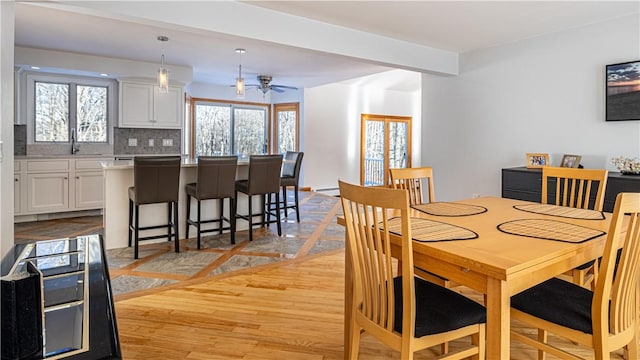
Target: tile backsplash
{"points": [[136, 141], [19, 139]]}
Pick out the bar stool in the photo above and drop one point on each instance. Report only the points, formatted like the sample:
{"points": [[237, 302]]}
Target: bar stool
{"points": [[290, 177], [264, 179], [215, 181], [155, 180]]}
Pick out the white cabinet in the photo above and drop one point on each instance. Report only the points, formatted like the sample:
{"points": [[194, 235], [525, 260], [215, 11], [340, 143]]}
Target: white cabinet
{"points": [[142, 105], [47, 185], [57, 185], [17, 185], [89, 188]]}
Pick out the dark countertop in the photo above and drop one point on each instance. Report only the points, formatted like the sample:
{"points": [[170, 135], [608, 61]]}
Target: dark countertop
{"points": [[103, 338]]}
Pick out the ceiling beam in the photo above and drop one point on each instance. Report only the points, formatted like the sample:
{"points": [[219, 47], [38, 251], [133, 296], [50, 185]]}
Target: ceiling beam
{"points": [[244, 20]]}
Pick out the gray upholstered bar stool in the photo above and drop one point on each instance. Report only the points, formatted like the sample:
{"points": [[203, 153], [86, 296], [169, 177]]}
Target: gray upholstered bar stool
{"points": [[216, 180], [155, 180], [291, 177], [264, 180]]}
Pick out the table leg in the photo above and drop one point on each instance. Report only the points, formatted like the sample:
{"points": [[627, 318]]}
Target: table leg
{"points": [[498, 319]]}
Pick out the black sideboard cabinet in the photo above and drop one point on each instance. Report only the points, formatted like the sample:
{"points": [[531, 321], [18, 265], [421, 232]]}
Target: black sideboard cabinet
{"points": [[522, 183]]}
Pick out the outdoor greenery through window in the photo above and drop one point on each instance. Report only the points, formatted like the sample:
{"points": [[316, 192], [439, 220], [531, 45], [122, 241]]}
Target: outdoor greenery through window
{"points": [[67, 108], [229, 129]]}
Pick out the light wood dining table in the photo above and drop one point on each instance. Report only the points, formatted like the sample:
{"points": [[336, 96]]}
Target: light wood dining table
{"points": [[495, 263]]}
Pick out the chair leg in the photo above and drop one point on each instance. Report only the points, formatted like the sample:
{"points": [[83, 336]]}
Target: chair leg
{"points": [[295, 195], [199, 226], [250, 218], [221, 202], [186, 225], [135, 229], [130, 221], [284, 201], [169, 222], [542, 337], [263, 207], [279, 223], [232, 219], [175, 225]]}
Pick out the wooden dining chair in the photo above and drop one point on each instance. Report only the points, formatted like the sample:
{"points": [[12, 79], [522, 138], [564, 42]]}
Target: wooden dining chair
{"points": [[577, 188], [605, 319], [413, 179], [405, 312]]}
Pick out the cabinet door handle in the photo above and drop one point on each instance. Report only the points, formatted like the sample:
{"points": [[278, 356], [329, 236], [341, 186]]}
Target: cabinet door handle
{"points": [[77, 177], [16, 180], [65, 178]]}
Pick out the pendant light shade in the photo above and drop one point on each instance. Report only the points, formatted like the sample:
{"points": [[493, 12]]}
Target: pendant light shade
{"points": [[163, 73], [239, 79]]}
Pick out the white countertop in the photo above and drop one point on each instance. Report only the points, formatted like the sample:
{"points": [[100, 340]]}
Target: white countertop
{"points": [[128, 164]]}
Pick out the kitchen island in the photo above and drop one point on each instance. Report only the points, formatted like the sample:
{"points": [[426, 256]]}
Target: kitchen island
{"points": [[118, 177]]}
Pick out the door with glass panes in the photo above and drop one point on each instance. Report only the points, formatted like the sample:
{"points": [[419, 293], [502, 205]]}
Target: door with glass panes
{"points": [[385, 142]]}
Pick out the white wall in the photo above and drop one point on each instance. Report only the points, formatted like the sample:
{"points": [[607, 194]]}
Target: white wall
{"points": [[332, 129], [6, 127], [544, 94]]}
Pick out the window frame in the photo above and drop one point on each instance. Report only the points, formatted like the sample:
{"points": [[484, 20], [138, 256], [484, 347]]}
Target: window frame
{"points": [[73, 81], [232, 105]]}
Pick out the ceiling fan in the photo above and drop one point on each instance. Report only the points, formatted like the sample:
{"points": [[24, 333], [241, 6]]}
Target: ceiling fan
{"points": [[264, 86]]}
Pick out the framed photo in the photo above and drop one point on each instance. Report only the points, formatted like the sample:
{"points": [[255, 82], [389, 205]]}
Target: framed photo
{"points": [[537, 160], [623, 91], [570, 161]]}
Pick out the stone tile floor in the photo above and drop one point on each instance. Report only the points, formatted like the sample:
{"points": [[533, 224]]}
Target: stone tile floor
{"points": [[158, 264]]}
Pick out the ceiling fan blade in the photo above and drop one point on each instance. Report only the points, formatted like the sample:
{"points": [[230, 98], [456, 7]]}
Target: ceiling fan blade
{"points": [[284, 87], [276, 89]]}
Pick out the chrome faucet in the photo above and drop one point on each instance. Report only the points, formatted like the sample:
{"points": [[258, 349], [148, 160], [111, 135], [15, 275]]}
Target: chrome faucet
{"points": [[74, 147]]}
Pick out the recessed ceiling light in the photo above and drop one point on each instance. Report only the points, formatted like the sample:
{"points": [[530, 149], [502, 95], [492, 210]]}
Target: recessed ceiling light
{"points": [[103, 74], [35, 67]]}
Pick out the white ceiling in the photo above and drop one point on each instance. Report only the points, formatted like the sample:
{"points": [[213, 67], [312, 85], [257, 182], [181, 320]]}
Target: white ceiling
{"points": [[457, 26]]}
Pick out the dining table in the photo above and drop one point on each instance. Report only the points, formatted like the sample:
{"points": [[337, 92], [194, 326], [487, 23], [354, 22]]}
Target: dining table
{"points": [[498, 247]]}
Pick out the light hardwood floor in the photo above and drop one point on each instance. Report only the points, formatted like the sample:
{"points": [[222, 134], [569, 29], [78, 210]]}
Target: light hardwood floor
{"points": [[291, 310]]}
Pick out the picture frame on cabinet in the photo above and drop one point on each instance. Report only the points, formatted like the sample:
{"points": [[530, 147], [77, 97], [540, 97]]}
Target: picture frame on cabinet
{"points": [[623, 91], [537, 160], [570, 161]]}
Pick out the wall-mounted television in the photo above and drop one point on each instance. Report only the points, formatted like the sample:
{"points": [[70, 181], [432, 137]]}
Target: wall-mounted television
{"points": [[623, 91]]}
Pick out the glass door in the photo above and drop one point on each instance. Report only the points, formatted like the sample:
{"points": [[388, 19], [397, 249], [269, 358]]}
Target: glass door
{"points": [[385, 143]]}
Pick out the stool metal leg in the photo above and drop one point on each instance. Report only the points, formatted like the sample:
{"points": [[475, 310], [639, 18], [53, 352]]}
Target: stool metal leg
{"points": [[135, 229], [250, 219], [295, 194], [232, 218], [130, 221], [175, 224], [186, 225], [198, 226]]}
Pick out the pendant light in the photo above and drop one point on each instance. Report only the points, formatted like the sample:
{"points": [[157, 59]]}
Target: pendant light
{"points": [[239, 79], [163, 73]]}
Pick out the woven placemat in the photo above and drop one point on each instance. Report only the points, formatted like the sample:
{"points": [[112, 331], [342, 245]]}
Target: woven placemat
{"points": [[550, 230], [449, 209], [431, 231], [561, 211]]}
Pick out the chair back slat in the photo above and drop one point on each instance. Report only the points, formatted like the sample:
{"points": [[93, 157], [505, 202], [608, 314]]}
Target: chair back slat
{"points": [[412, 179], [573, 187], [614, 306], [367, 212]]}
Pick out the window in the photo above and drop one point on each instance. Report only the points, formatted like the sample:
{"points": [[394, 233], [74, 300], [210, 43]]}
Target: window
{"points": [[62, 109], [385, 143], [286, 127], [226, 129]]}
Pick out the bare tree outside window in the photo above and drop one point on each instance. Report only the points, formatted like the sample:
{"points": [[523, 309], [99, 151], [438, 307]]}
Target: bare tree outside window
{"points": [[287, 131], [91, 118], [249, 132], [52, 112], [226, 129], [212, 127]]}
